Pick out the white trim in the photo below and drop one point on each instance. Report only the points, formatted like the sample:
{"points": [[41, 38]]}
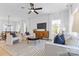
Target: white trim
{"points": [[72, 19]]}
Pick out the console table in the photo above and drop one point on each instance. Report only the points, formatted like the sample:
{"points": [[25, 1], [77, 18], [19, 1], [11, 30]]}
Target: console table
{"points": [[41, 34]]}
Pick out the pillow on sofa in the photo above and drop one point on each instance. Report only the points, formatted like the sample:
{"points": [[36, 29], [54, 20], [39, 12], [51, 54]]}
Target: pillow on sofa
{"points": [[73, 41], [27, 33], [13, 34], [59, 39]]}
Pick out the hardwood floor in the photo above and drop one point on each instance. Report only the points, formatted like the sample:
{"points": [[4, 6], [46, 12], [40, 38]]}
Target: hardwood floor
{"points": [[3, 52]]}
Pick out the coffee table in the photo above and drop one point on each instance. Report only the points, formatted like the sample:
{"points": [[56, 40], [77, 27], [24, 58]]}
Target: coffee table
{"points": [[32, 39]]}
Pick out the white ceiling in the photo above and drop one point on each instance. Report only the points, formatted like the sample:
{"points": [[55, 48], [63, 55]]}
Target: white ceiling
{"points": [[15, 10], [51, 7], [16, 13]]}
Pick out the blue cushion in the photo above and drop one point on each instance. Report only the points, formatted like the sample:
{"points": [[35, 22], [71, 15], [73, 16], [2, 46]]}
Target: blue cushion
{"points": [[27, 33], [59, 39]]}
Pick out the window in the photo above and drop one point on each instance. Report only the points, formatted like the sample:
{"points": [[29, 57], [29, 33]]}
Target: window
{"points": [[57, 26], [18, 28]]}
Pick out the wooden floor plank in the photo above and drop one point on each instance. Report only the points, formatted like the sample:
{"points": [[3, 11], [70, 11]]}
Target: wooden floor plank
{"points": [[3, 52]]}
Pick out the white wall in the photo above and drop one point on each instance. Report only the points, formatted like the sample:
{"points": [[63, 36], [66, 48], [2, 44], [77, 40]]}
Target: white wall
{"points": [[63, 16], [73, 9], [38, 19], [74, 6]]}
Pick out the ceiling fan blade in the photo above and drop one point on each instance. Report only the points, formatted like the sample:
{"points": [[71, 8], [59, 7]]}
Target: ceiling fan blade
{"points": [[38, 9], [36, 12], [29, 12], [32, 5]]}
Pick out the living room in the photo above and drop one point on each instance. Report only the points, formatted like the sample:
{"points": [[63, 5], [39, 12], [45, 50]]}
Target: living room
{"points": [[34, 26]]}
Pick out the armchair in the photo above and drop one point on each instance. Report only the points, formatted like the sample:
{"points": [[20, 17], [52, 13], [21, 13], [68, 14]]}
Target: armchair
{"points": [[12, 38]]}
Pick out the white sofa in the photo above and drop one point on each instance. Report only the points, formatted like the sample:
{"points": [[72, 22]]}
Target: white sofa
{"points": [[72, 46], [52, 49]]}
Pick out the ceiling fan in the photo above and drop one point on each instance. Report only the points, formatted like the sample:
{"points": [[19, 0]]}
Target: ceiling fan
{"points": [[33, 9]]}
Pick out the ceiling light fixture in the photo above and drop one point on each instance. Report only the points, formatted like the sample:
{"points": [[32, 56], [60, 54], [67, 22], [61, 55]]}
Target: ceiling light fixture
{"points": [[32, 10]]}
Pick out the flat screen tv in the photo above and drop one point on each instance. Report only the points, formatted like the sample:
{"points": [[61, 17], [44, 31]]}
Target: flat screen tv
{"points": [[41, 26]]}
